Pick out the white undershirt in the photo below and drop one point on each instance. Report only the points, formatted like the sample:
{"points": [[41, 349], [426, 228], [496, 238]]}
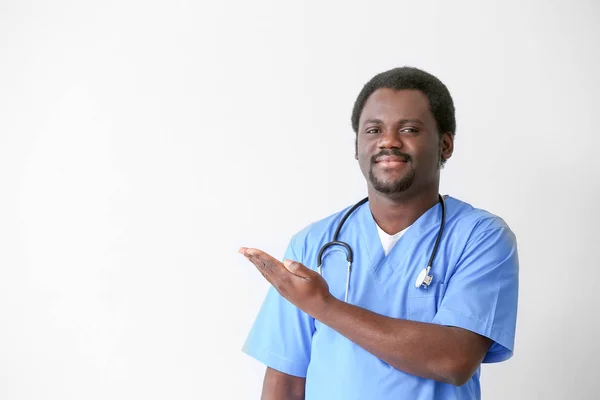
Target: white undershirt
{"points": [[388, 241]]}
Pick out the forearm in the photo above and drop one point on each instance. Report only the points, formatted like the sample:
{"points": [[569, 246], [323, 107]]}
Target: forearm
{"points": [[427, 350], [280, 386]]}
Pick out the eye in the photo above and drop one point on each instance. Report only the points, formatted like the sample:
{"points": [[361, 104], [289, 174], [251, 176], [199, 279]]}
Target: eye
{"points": [[408, 129], [372, 130]]}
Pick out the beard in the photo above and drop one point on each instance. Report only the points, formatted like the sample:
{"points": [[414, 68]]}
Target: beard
{"points": [[394, 186], [391, 187]]}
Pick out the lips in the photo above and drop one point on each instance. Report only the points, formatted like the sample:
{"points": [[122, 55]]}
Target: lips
{"points": [[390, 159]]}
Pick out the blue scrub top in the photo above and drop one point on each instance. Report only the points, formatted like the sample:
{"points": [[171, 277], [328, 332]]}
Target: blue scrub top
{"points": [[475, 287]]}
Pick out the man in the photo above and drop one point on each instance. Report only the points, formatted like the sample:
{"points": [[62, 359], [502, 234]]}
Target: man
{"points": [[399, 335]]}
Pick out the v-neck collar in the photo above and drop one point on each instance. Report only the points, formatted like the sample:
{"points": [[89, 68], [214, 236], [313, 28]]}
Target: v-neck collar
{"points": [[382, 265]]}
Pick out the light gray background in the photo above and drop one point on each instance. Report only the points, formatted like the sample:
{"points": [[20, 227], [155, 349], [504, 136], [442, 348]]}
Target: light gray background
{"points": [[143, 142]]}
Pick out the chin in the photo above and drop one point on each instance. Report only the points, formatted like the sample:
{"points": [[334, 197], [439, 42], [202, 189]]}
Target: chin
{"points": [[390, 186], [391, 189]]}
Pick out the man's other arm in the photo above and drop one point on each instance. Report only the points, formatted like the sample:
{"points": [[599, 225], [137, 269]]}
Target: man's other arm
{"points": [[280, 386]]}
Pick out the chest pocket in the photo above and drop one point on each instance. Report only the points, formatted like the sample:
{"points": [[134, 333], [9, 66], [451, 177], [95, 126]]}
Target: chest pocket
{"points": [[423, 303]]}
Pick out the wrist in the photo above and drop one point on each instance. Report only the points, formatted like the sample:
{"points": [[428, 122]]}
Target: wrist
{"points": [[324, 308]]}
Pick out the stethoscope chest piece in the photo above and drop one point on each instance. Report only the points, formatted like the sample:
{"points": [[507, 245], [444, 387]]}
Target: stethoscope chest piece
{"points": [[424, 279]]}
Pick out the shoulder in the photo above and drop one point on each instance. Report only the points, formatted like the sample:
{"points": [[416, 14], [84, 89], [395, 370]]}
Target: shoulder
{"points": [[472, 221], [483, 242], [318, 232]]}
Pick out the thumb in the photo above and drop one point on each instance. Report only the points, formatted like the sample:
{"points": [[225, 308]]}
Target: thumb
{"points": [[297, 269]]}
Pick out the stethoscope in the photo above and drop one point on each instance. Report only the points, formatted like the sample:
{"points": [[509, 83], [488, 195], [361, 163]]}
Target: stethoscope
{"points": [[423, 280]]}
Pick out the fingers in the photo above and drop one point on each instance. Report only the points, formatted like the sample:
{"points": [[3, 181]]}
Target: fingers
{"points": [[297, 269], [268, 266]]}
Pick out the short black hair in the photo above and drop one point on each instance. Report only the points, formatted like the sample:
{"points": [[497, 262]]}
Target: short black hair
{"points": [[440, 101]]}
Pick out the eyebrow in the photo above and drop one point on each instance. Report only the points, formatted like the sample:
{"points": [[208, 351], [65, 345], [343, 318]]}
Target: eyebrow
{"points": [[402, 121]]}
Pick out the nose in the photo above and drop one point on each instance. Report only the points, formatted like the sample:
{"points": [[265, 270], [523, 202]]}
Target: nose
{"points": [[389, 138]]}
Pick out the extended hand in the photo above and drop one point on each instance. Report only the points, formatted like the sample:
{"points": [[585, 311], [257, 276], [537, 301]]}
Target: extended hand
{"points": [[301, 286]]}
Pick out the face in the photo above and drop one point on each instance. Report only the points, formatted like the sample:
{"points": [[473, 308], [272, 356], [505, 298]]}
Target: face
{"points": [[398, 145]]}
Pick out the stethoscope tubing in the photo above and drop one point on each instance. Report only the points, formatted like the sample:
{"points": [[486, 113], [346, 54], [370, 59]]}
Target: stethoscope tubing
{"points": [[350, 254]]}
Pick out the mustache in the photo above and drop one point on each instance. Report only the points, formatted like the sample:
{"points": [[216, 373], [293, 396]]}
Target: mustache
{"points": [[391, 152]]}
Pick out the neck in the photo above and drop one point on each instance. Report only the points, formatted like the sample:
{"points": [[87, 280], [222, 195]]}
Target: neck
{"points": [[394, 213]]}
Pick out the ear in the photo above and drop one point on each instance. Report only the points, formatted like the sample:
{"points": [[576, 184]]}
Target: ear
{"points": [[447, 145], [356, 148]]}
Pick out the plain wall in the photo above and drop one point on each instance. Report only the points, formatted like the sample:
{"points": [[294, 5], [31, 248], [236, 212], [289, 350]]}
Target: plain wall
{"points": [[143, 142]]}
